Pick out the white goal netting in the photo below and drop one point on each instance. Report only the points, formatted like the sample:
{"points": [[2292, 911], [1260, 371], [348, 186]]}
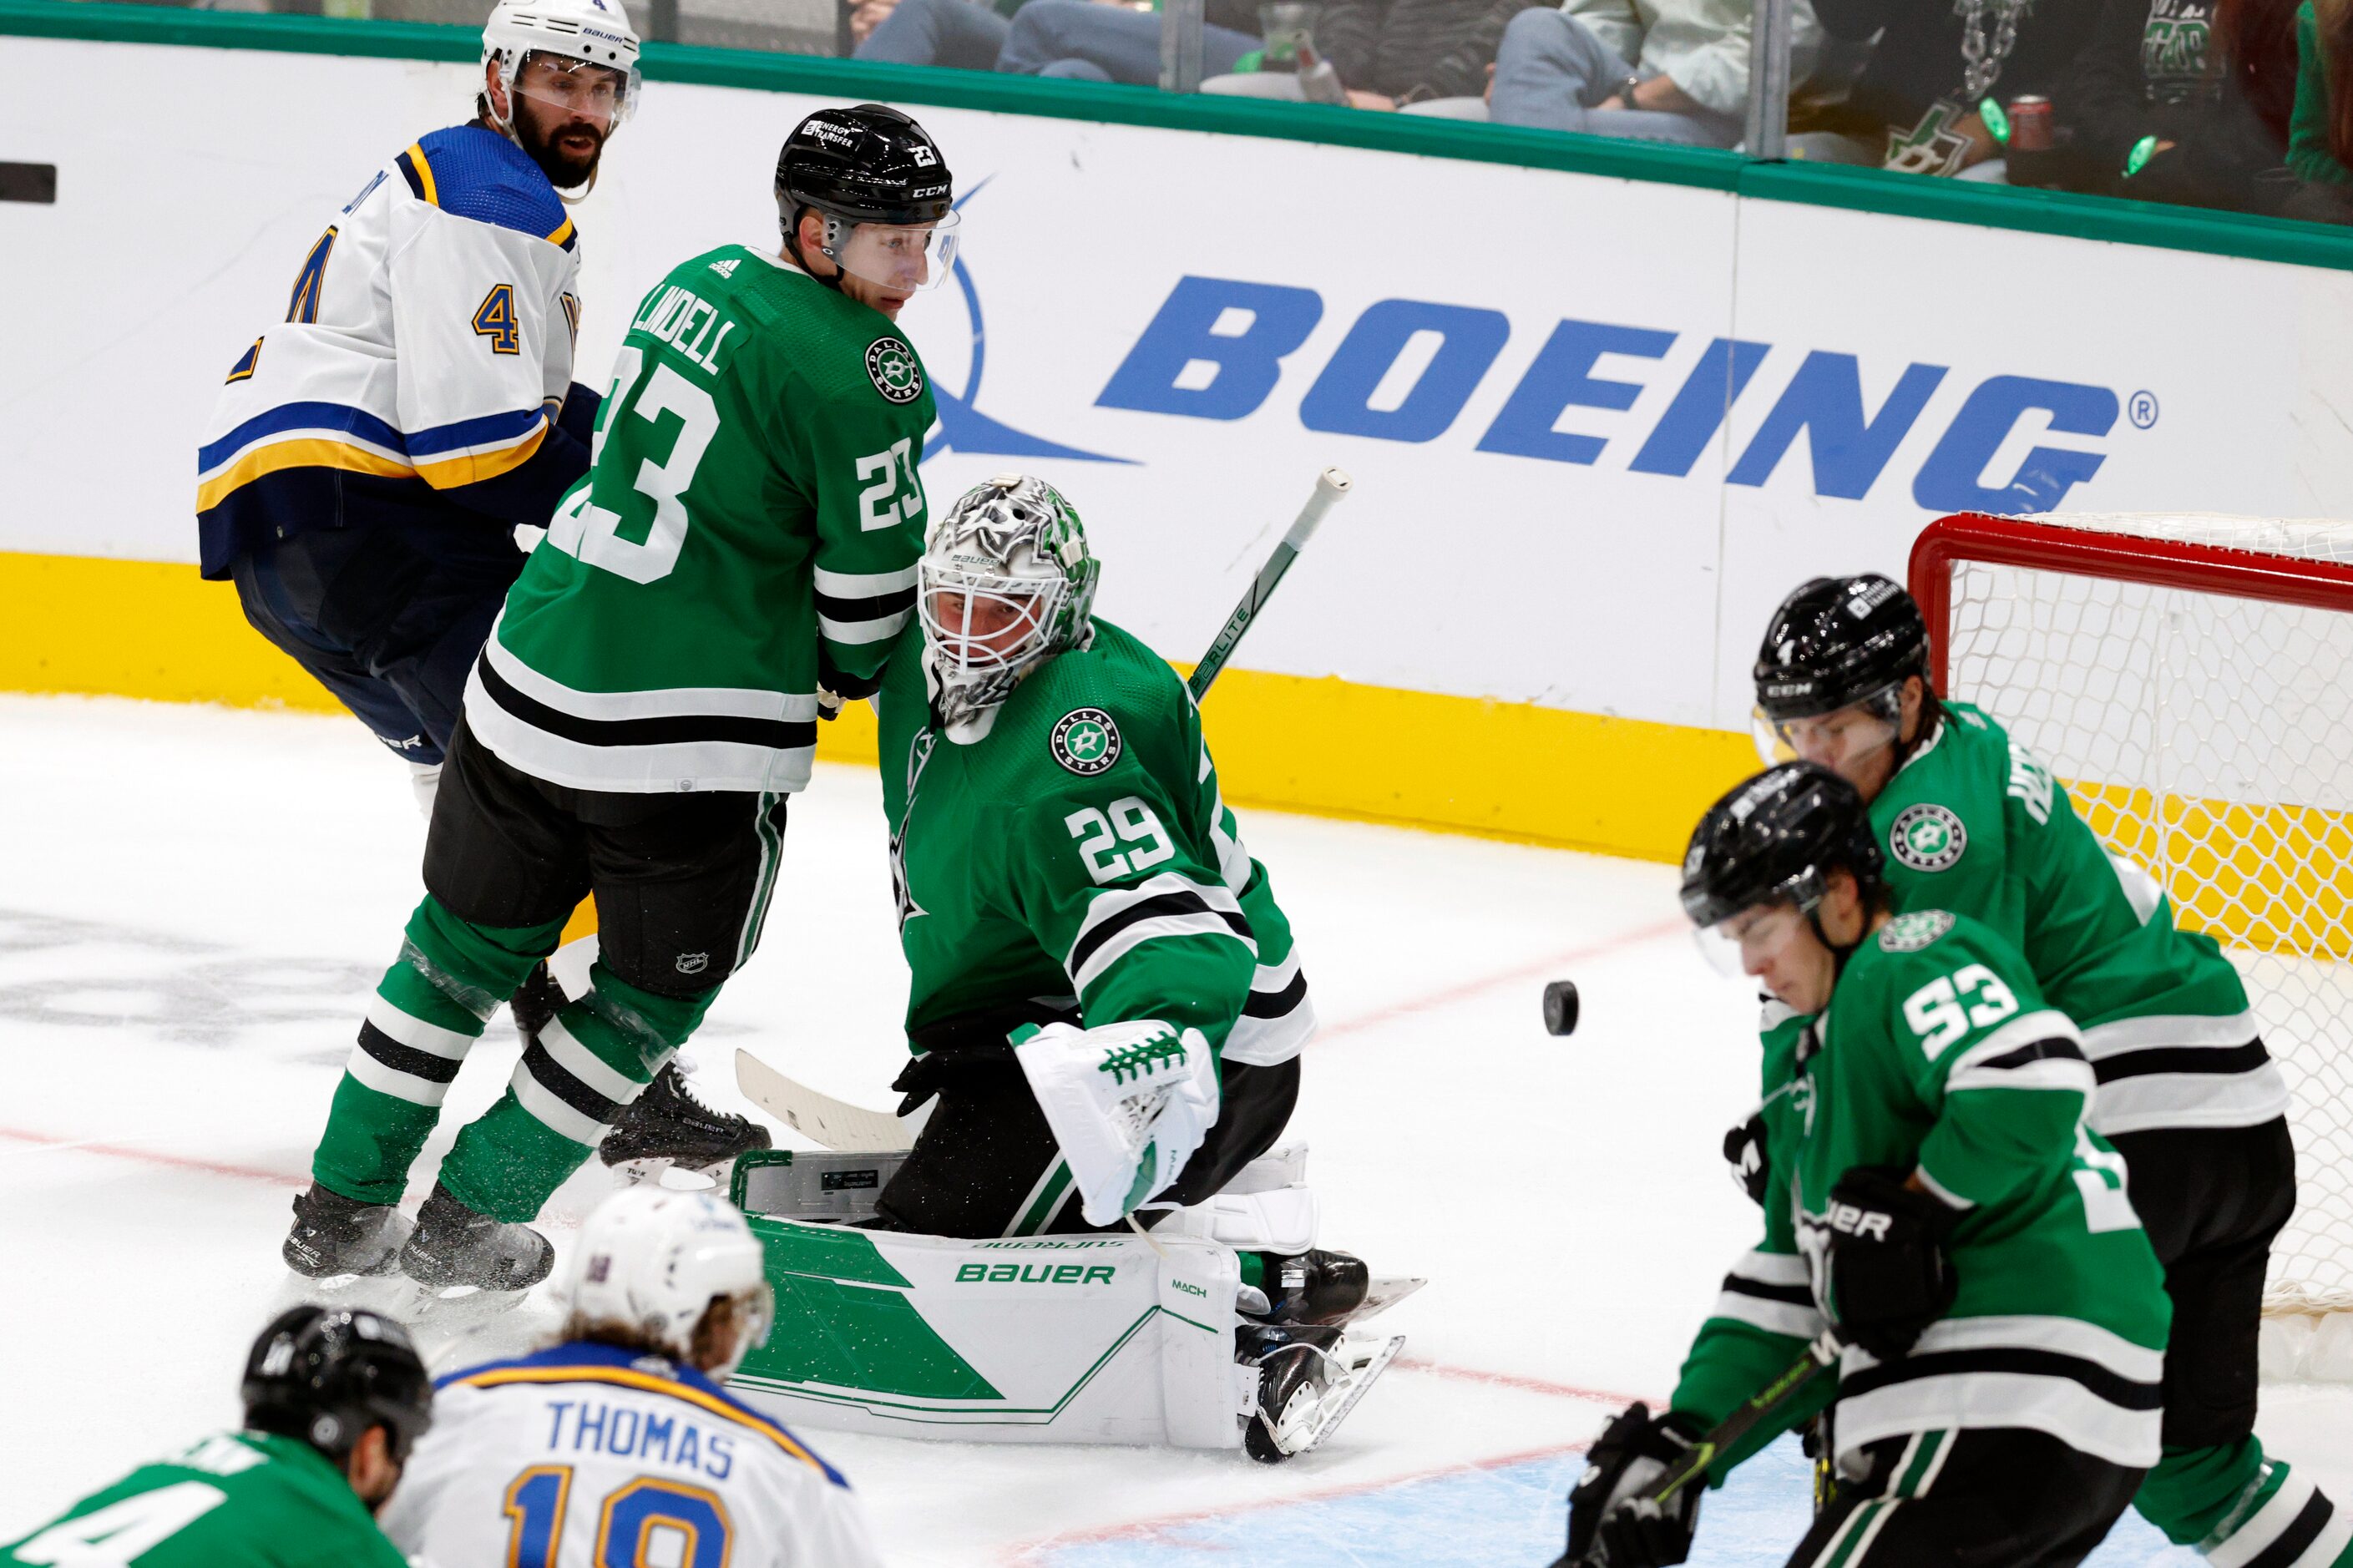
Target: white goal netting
{"points": [[2209, 738]]}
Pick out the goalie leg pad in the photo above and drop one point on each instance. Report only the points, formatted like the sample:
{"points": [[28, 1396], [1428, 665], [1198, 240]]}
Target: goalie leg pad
{"points": [[1064, 1338]]}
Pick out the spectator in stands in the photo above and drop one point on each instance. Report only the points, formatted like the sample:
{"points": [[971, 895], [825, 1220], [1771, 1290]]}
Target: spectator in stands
{"points": [[2176, 101], [1427, 57], [968, 33], [1661, 71], [1914, 107], [1104, 40], [2320, 128]]}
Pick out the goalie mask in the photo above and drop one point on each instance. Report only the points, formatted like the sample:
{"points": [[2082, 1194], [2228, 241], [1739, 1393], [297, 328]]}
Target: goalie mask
{"points": [[1005, 583]]}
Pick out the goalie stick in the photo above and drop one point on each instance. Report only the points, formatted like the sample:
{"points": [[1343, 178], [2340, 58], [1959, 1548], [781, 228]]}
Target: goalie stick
{"points": [[853, 1130], [1819, 1357]]}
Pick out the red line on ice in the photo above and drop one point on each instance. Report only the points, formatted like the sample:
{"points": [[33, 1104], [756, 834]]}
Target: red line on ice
{"points": [[1026, 1552], [1516, 1380], [1549, 966], [156, 1157]]}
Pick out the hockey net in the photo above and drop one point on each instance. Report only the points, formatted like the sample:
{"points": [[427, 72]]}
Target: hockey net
{"points": [[2187, 677]]}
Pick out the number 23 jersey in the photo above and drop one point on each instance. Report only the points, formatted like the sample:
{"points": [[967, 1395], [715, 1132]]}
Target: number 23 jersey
{"points": [[586, 1455]]}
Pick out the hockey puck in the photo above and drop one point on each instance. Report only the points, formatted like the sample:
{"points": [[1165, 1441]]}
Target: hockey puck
{"points": [[1560, 1007]]}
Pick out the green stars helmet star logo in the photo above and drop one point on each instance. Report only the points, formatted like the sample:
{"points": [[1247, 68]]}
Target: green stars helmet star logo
{"points": [[1085, 742], [1928, 838], [893, 367]]}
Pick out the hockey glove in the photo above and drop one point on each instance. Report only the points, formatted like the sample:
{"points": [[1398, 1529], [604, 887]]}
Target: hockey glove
{"points": [[1128, 1103], [1889, 1275], [1744, 1151], [1613, 1519]]}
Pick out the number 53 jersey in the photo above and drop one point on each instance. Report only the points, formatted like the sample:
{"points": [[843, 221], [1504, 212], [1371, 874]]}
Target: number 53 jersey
{"points": [[586, 1455], [747, 530]]}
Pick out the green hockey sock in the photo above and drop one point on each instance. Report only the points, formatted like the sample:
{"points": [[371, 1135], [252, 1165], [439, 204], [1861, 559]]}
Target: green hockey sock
{"points": [[2234, 1505], [570, 1088], [428, 1012]]}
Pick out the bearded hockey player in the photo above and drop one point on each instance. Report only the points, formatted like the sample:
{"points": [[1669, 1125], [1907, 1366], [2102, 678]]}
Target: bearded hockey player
{"points": [[1933, 1196], [369, 455], [1105, 1002], [601, 1445], [647, 701], [1972, 822], [334, 1401]]}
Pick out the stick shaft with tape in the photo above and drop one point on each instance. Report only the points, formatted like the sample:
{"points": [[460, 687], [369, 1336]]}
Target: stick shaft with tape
{"points": [[1331, 485]]}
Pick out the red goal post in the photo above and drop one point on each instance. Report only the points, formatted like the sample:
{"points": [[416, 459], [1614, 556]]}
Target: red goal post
{"points": [[2190, 679]]}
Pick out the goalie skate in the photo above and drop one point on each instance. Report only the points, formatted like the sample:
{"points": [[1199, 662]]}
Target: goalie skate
{"points": [[1309, 1377]]}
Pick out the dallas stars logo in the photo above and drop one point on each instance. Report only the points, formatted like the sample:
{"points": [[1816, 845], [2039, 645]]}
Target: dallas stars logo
{"points": [[1085, 742], [1928, 838], [1910, 934], [891, 365]]}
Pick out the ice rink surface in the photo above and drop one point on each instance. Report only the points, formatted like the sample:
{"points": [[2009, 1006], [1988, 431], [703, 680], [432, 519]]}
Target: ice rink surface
{"points": [[195, 904]]}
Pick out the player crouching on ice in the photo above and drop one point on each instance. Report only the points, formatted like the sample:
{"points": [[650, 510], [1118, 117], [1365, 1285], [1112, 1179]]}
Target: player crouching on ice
{"points": [[1934, 1199], [619, 1435], [1107, 1008]]}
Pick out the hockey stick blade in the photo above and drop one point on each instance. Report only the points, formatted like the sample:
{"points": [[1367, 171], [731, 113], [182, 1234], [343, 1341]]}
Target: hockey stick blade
{"points": [[833, 1123], [1331, 486]]}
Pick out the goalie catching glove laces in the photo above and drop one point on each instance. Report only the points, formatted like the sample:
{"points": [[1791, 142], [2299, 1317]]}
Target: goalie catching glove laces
{"points": [[1129, 1103]]}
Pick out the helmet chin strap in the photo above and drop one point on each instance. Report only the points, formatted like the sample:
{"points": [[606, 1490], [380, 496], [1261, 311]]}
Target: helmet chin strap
{"points": [[1839, 955]]}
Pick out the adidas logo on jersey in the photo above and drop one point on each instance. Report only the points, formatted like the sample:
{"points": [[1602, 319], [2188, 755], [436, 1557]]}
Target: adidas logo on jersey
{"points": [[726, 268]]}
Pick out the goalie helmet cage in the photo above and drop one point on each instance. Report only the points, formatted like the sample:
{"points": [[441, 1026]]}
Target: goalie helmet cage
{"points": [[2190, 679]]}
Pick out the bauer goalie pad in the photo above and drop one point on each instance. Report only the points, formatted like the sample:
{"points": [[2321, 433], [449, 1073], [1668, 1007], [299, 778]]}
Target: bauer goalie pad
{"points": [[1070, 1339]]}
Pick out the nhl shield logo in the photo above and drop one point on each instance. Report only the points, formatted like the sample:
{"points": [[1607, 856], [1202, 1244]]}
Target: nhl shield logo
{"points": [[1928, 838], [891, 365], [1085, 742]]}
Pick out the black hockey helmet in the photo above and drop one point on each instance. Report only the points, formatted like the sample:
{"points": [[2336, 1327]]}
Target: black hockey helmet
{"points": [[326, 1375], [1837, 642], [866, 164], [1776, 839]]}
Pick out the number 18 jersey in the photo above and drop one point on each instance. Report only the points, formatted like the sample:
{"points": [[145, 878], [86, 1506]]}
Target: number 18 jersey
{"points": [[586, 1455]]}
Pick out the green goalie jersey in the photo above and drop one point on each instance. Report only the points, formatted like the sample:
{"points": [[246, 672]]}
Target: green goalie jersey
{"points": [[241, 1499], [1939, 1053], [1972, 822], [1081, 849], [748, 531]]}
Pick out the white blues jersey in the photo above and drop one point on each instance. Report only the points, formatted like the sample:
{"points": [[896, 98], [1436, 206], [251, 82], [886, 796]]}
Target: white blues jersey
{"points": [[426, 350], [585, 1454]]}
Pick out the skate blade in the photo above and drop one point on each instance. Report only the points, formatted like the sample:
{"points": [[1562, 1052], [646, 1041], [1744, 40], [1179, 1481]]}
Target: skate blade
{"points": [[1362, 1364], [388, 1294], [652, 1172]]}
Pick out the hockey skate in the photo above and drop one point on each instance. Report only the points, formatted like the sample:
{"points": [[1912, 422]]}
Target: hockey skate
{"points": [[335, 1236], [1312, 1370], [667, 1126], [453, 1246]]}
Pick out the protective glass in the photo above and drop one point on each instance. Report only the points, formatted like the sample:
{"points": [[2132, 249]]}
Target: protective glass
{"points": [[576, 88], [979, 622], [914, 256], [1747, 942], [1839, 741]]}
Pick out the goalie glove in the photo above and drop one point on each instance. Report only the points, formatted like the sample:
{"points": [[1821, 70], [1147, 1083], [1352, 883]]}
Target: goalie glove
{"points": [[1128, 1103], [1613, 1519]]}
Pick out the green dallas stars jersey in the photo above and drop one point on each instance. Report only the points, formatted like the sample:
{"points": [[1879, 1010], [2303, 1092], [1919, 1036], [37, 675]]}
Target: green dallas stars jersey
{"points": [[1939, 1053], [752, 509], [1080, 848], [244, 1500], [1974, 823]]}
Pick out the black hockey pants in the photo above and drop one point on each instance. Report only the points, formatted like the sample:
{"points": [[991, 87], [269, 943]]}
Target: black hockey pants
{"points": [[987, 1164], [1997, 1498]]}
